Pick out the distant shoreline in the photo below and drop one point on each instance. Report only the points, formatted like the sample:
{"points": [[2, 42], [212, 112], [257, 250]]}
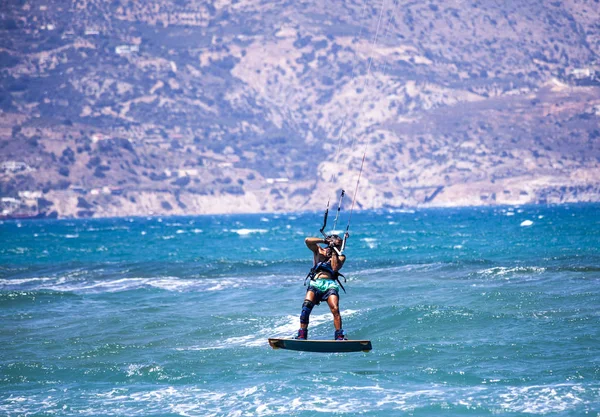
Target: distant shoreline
{"points": [[388, 210]]}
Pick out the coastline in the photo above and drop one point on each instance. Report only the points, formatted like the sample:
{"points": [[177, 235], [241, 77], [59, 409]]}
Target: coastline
{"points": [[317, 211]]}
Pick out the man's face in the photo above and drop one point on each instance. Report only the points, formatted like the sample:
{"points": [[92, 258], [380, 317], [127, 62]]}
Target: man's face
{"points": [[337, 242]]}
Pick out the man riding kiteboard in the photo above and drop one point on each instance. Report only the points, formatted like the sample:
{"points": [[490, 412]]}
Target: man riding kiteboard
{"points": [[324, 284]]}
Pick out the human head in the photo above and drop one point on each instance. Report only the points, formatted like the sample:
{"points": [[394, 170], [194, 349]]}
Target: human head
{"points": [[335, 240]]}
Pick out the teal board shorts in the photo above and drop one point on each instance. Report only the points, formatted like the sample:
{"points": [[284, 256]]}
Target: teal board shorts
{"points": [[323, 289]]}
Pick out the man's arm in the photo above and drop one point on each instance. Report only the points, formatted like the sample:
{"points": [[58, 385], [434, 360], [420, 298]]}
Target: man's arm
{"points": [[312, 243], [337, 261]]}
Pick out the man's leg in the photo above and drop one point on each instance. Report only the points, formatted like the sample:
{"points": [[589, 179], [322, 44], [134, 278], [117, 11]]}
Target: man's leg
{"points": [[307, 307], [333, 302]]}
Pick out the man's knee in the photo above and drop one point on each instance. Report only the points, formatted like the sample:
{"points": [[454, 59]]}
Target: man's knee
{"points": [[307, 307]]}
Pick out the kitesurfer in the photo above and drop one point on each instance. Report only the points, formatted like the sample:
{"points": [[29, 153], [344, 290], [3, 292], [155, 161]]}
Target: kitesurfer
{"points": [[324, 282]]}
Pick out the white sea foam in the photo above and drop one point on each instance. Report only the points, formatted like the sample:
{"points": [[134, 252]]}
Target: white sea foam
{"points": [[371, 242], [285, 327], [18, 250], [404, 211], [143, 369], [401, 268], [16, 282], [79, 285], [501, 270], [278, 397], [246, 232], [106, 229], [336, 232], [541, 399], [288, 326], [526, 223]]}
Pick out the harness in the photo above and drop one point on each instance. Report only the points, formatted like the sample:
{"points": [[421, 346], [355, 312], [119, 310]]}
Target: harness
{"points": [[325, 267]]}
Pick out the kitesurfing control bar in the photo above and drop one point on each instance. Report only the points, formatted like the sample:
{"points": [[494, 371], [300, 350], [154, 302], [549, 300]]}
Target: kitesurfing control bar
{"points": [[322, 230]]}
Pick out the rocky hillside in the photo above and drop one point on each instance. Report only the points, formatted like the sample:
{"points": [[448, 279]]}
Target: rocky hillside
{"points": [[122, 107]]}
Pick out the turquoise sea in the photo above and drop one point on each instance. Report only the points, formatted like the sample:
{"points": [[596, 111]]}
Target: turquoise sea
{"points": [[472, 312]]}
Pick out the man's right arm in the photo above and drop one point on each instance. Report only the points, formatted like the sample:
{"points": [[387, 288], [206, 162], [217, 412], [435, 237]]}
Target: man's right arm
{"points": [[312, 243]]}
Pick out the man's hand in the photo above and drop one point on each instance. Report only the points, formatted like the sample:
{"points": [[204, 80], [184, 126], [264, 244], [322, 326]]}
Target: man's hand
{"points": [[333, 241]]}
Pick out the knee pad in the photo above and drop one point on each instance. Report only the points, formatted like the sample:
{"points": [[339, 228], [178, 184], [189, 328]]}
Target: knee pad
{"points": [[307, 307]]}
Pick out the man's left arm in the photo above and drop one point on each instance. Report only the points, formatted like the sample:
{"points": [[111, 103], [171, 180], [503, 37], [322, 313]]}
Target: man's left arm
{"points": [[337, 261]]}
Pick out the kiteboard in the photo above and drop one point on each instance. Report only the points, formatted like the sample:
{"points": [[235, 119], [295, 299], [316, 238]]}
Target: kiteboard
{"points": [[325, 346]]}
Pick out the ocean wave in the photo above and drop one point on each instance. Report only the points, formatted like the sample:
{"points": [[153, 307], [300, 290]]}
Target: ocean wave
{"points": [[384, 320], [502, 270], [154, 371], [246, 232], [394, 269], [286, 326], [25, 297], [371, 242], [66, 284], [322, 395], [542, 399], [106, 229], [17, 250], [9, 283], [164, 283]]}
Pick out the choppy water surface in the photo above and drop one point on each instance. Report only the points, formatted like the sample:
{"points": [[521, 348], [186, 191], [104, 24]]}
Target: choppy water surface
{"points": [[471, 312]]}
